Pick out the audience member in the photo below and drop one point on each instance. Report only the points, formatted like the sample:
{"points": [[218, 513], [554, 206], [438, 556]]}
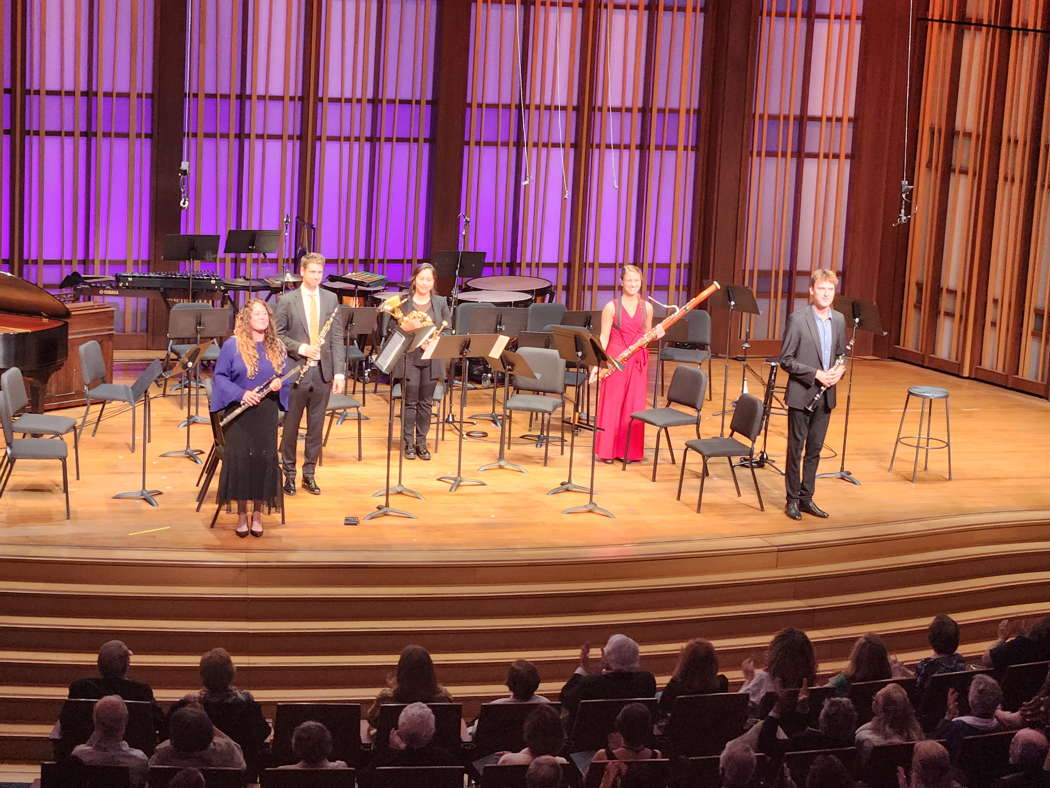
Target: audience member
{"points": [[695, 674], [984, 697], [827, 771], [412, 741], [869, 661], [790, 662], [634, 730], [522, 680], [106, 745], [736, 765], [196, 742], [837, 724], [543, 772], [617, 676], [544, 735], [943, 636], [893, 721], [187, 778], [312, 744], [930, 767], [1019, 642], [414, 682], [1028, 750], [114, 661]]}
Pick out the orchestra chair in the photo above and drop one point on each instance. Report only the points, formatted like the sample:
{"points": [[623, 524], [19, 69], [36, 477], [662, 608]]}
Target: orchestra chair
{"points": [[343, 721], [448, 721], [1021, 682], [880, 771], [93, 375], [29, 449], [512, 775], [181, 338], [418, 777], [77, 725], [307, 778], [985, 758], [542, 315], [653, 773], [501, 726], [74, 774], [702, 724], [214, 777], [596, 719], [688, 385], [862, 693], [934, 701], [747, 422], [341, 404], [550, 367], [694, 348], [704, 770], [799, 761], [817, 696], [13, 387]]}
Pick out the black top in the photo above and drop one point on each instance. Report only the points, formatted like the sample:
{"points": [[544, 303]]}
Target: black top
{"points": [[675, 688], [606, 686], [1016, 652], [422, 756], [95, 687]]}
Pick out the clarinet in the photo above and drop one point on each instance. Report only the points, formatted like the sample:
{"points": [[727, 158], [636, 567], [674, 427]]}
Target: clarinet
{"points": [[839, 362]]}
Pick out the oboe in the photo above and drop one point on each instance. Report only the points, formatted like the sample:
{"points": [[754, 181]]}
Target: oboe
{"points": [[320, 341], [839, 362]]}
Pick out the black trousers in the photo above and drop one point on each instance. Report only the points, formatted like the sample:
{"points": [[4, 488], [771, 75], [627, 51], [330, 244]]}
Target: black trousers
{"points": [[806, 433], [417, 391], [312, 396]]}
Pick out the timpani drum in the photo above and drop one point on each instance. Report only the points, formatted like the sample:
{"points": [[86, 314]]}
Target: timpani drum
{"points": [[495, 297], [536, 286]]}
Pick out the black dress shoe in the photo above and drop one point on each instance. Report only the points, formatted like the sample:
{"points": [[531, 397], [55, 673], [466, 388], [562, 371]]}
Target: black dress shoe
{"points": [[811, 508], [409, 451], [289, 485], [422, 451], [791, 510], [310, 485]]}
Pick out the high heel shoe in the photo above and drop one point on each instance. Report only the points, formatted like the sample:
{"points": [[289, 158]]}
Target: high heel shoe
{"points": [[257, 527], [242, 524]]}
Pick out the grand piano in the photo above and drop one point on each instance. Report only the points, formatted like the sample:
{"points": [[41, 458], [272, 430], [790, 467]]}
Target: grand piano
{"points": [[34, 334]]}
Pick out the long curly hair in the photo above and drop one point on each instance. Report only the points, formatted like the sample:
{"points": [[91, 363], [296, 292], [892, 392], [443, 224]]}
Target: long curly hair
{"points": [[242, 333], [894, 716]]}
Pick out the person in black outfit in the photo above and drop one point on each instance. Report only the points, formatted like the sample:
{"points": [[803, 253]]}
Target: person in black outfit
{"points": [[813, 339], [696, 674], [417, 308], [1028, 644], [411, 742], [618, 676]]}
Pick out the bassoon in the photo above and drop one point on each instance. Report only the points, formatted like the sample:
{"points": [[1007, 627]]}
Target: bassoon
{"points": [[668, 321]]}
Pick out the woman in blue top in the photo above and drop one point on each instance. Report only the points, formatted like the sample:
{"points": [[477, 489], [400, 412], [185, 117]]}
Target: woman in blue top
{"points": [[248, 359]]}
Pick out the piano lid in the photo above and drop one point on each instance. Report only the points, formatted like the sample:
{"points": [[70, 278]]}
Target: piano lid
{"points": [[18, 295]]}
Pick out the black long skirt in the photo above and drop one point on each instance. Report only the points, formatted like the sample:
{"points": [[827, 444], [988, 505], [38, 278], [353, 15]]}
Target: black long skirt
{"points": [[249, 465]]}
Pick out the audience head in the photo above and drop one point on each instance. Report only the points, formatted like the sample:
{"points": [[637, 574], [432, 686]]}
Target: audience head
{"points": [[416, 725], [111, 717], [791, 658], [416, 679], [621, 653], [827, 771], [114, 658], [311, 742], [543, 772], [869, 660], [1028, 750], [697, 667], [838, 719], [543, 731], [217, 670], [187, 778], [893, 713], [635, 724], [943, 635], [190, 729], [930, 766], [1040, 633], [522, 679], [984, 696], [736, 764]]}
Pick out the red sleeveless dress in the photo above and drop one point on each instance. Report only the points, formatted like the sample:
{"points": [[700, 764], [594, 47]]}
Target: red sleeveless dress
{"points": [[623, 392]]}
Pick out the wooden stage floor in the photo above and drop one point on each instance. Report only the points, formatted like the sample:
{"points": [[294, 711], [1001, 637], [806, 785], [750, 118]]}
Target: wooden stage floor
{"points": [[998, 440]]}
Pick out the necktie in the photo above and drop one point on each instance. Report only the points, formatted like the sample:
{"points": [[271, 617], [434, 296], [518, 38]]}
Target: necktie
{"points": [[313, 318]]}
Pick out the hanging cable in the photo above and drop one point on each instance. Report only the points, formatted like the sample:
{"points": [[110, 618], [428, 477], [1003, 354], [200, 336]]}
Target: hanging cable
{"points": [[608, 80], [527, 179], [564, 113], [907, 207]]}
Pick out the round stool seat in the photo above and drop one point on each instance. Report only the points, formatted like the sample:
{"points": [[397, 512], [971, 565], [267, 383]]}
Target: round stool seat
{"points": [[928, 392]]}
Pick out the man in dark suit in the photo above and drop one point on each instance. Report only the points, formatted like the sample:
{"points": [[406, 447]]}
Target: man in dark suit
{"points": [[618, 676], [813, 340], [301, 314]]}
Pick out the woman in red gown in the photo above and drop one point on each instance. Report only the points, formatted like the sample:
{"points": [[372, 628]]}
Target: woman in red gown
{"points": [[624, 320]]}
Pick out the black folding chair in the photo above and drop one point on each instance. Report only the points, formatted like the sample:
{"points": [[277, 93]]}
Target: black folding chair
{"points": [[343, 721], [688, 385], [596, 719], [501, 726], [934, 700], [702, 724], [161, 776], [73, 774], [307, 778], [448, 718], [418, 777], [862, 693], [76, 722]]}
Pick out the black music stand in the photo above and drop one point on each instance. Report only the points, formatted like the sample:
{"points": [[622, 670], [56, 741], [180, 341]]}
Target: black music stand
{"points": [[865, 316], [202, 323], [464, 346], [456, 265], [192, 249], [509, 363], [732, 298], [510, 321], [399, 343], [188, 362], [262, 242], [359, 320], [140, 388], [571, 347]]}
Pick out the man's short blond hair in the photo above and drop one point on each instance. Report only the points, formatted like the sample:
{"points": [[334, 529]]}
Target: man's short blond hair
{"points": [[311, 257], [823, 275]]}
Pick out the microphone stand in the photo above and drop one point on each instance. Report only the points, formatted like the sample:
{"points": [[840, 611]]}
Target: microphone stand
{"points": [[842, 473]]}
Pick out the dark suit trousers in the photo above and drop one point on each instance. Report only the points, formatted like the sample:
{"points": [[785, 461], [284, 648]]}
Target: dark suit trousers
{"points": [[418, 392], [806, 433], [312, 396]]}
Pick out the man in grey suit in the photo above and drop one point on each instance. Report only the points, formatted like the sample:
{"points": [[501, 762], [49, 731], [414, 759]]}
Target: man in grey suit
{"points": [[300, 316], [813, 340]]}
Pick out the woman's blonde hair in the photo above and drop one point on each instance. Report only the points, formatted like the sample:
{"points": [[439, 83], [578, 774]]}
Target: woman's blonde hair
{"points": [[242, 333]]}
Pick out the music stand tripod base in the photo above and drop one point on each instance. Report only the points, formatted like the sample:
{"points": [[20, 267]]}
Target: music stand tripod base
{"points": [[398, 489], [568, 487], [145, 495], [590, 507], [383, 511], [190, 453], [846, 476], [195, 419], [510, 466], [458, 481]]}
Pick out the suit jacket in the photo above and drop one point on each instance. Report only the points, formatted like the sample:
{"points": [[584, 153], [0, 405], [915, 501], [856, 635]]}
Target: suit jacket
{"points": [[800, 355], [95, 687], [441, 313], [607, 686], [294, 329]]}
